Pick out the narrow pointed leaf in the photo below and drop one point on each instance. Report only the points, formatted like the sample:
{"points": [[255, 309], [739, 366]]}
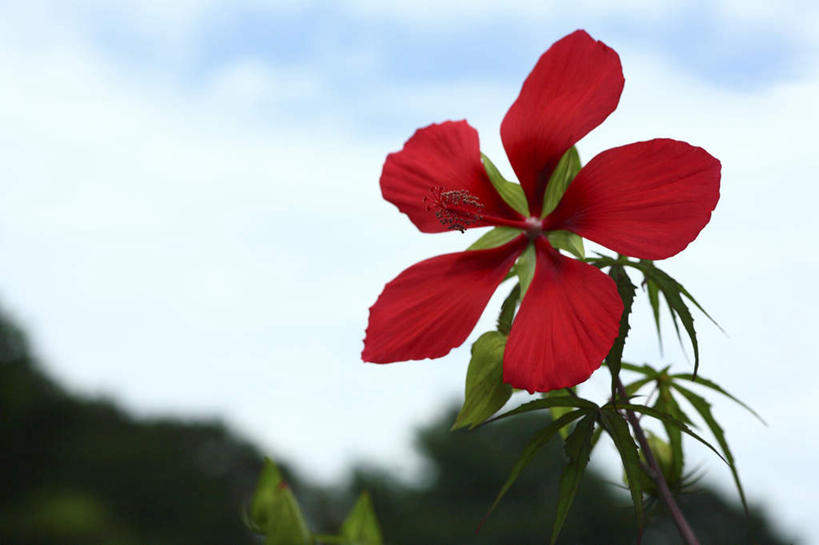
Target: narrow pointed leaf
{"points": [[619, 431], [664, 417], [485, 391], [717, 388], [633, 387], [537, 442], [275, 512], [578, 447], [361, 525], [644, 369], [510, 192], [497, 236], [568, 241], [654, 301], [548, 403], [507, 312], [703, 407], [567, 168]]}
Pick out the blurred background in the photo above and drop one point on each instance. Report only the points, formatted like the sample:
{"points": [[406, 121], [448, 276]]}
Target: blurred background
{"points": [[191, 229]]}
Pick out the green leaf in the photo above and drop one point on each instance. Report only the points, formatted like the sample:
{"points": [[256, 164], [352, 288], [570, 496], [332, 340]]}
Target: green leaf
{"points": [[507, 312], [665, 417], [704, 409], [558, 410], [361, 526], [264, 496], [619, 431], [633, 387], [275, 512], [525, 268], [485, 391], [578, 448], [495, 237], [626, 290], [565, 171], [667, 404], [672, 292], [537, 442], [548, 403], [717, 388], [566, 240], [510, 192], [645, 369], [654, 301]]}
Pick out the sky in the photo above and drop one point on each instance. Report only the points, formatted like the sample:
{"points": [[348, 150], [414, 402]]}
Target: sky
{"points": [[191, 223]]}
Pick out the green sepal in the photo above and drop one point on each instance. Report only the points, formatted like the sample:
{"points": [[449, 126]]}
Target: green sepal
{"points": [[578, 448], [537, 442], [525, 268], [565, 171], [618, 429], [485, 390], [568, 241], [703, 407], [361, 525], [510, 192], [507, 311], [275, 512], [495, 237]]}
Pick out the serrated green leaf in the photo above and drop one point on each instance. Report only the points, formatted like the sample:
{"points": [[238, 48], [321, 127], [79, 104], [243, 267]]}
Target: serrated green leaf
{"points": [[717, 388], [565, 171], [704, 409], [485, 391], [537, 442], [510, 192], [619, 431], [525, 268], [568, 241], [495, 237], [626, 290], [361, 525], [275, 512], [507, 312], [664, 417], [672, 292], [578, 448]]}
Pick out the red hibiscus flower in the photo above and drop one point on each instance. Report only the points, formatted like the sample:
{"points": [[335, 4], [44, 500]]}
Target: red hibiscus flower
{"points": [[647, 200]]}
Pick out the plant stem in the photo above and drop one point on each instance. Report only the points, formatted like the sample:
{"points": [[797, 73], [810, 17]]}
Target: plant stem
{"points": [[665, 494]]}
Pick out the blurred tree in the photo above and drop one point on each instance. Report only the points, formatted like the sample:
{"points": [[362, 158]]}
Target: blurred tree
{"points": [[74, 471], [78, 471]]}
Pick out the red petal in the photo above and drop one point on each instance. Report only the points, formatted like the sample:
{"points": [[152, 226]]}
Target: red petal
{"points": [[647, 200], [574, 86], [566, 324], [430, 308], [445, 156]]}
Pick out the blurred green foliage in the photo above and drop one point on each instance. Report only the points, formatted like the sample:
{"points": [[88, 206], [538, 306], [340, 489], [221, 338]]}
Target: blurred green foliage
{"points": [[78, 471]]}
